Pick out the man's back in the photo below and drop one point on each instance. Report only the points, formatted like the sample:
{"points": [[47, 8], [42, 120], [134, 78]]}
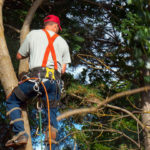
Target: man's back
{"points": [[35, 45]]}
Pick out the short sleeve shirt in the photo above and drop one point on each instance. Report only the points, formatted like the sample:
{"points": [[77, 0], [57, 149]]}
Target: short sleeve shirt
{"points": [[35, 46]]}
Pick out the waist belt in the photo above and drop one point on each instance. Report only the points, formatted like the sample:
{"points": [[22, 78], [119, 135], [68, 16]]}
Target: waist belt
{"points": [[44, 72]]}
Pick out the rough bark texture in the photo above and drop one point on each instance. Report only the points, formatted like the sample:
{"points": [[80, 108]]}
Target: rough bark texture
{"points": [[24, 67], [146, 118], [145, 96], [7, 72]]}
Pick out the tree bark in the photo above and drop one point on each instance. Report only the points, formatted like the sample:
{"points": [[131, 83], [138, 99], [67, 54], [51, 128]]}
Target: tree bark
{"points": [[7, 72], [146, 118], [145, 97], [24, 67]]}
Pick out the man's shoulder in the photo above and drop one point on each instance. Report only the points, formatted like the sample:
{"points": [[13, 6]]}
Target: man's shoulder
{"points": [[62, 40], [32, 32]]}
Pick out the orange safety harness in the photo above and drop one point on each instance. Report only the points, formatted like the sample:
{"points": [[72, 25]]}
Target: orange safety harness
{"points": [[50, 48]]}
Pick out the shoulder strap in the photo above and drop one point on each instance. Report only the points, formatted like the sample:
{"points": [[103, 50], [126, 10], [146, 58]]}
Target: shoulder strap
{"points": [[50, 48]]}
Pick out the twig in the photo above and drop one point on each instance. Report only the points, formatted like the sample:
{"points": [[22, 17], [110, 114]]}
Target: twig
{"points": [[129, 113], [13, 28], [103, 130]]}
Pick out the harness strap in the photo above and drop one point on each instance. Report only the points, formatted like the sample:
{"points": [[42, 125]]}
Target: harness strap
{"points": [[20, 94], [15, 137], [50, 48], [16, 120], [10, 111]]}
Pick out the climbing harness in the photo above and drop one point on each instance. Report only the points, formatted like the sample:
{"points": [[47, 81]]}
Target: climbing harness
{"points": [[20, 94], [43, 72]]}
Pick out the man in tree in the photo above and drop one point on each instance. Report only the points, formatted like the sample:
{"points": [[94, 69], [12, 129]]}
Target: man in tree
{"points": [[48, 55]]}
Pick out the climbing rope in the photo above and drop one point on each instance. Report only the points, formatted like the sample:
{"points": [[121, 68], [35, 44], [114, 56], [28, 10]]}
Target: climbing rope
{"points": [[48, 105]]}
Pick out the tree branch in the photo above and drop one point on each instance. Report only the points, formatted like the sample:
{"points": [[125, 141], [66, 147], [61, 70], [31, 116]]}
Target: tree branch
{"points": [[13, 28], [129, 113], [26, 26], [1, 16], [102, 103], [103, 130]]}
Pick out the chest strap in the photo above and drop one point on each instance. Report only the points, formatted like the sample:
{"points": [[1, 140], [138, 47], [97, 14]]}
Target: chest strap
{"points": [[50, 48]]}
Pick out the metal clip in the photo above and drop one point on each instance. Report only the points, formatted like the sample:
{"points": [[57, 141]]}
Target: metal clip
{"points": [[39, 105], [62, 87], [36, 87]]}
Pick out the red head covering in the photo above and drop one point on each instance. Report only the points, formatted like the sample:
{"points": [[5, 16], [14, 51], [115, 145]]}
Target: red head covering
{"points": [[53, 18]]}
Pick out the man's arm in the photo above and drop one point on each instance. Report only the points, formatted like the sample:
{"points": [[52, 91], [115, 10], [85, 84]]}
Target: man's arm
{"points": [[65, 57], [23, 51], [63, 68]]}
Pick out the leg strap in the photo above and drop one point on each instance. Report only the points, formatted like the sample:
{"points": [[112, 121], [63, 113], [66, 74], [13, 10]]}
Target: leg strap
{"points": [[15, 108], [16, 120], [15, 137], [20, 94]]}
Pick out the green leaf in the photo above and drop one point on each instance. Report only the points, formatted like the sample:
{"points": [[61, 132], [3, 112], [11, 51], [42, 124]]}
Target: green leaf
{"points": [[77, 47], [78, 39]]}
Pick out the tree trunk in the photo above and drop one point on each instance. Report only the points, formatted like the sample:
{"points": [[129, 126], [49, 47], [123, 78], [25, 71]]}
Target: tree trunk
{"points": [[146, 118], [7, 74], [146, 114]]}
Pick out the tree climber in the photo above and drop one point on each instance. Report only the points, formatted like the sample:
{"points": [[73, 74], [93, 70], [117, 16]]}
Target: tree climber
{"points": [[48, 56]]}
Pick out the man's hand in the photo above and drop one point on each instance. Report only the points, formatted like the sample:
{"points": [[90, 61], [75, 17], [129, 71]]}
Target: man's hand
{"points": [[19, 56], [63, 69]]}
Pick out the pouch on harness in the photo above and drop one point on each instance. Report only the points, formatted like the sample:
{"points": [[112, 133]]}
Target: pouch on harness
{"points": [[44, 73]]}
